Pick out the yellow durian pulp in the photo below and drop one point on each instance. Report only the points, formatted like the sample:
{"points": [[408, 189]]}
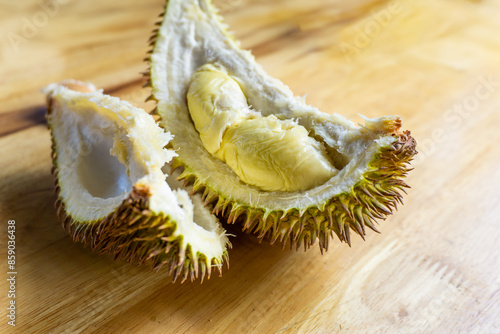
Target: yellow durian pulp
{"points": [[266, 152]]}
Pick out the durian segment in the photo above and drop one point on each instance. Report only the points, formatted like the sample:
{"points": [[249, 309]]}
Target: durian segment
{"points": [[266, 152], [215, 102], [372, 159], [112, 193]]}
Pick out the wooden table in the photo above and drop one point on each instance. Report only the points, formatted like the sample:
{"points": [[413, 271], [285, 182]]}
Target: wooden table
{"points": [[434, 268]]}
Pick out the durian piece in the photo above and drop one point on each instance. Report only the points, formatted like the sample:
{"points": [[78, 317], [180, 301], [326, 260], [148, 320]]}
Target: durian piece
{"points": [[112, 193], [365, 164], [266, 152]]}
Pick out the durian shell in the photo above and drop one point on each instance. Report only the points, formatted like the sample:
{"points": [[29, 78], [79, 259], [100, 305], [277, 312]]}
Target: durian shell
{"points": [[373, 197], [132, 232]]}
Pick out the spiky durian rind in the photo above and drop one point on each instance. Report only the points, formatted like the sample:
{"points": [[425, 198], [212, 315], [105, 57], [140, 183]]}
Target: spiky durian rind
{"points": [[147, 73], [133, 232], [375, 196]]}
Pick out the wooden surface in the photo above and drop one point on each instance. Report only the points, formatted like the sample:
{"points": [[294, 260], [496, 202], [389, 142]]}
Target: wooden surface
{"points": [[435, 268]]}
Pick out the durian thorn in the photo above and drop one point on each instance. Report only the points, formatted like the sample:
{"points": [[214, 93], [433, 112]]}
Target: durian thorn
{"points": [[370, 223], [249, 220], [192, 276], [154, 252], [217, 206], [347, 236], [134, 220], [358, 229], [286, 234], [270, 223], [195, 263], [157, 267], [262, 229], [382, 207], [344, 207], [185, 274], [375, 191], [331, 225], [321, 247], [210, 199], [197, 185], [300, 231], [369, 205], [323, 242], [150, 98], [224, 207], [274, 236], [203, 266], [327, 242], [403, 184], [360, 226], [284, 243], [355, 195], [340, 227], [233, 215], [299, 241], [205, 193], [209, 270], [176, 274]]}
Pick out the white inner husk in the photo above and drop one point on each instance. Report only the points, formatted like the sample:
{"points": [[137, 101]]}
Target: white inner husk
{"points": [[190, 36], [105, 146]]}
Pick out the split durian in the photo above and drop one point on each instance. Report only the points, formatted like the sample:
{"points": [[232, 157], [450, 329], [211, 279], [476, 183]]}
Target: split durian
{"points": [[112, 193], [261, 156]]}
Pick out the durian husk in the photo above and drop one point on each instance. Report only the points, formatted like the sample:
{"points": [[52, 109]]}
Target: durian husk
{"points": [[133, 232], [374, 197]]}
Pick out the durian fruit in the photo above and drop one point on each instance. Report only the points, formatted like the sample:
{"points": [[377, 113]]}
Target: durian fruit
{"points": [[112, 193], [261, 156]]}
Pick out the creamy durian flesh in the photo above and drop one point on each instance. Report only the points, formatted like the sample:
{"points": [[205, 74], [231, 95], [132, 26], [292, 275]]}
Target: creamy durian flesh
{"points": [[266, 152], [112, 192], [259, 154]]}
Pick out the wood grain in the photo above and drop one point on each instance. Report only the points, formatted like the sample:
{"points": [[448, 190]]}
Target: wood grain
{"points": [[435, 268]]}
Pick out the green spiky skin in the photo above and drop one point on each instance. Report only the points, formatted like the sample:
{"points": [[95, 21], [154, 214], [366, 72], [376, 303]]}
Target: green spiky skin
{"points": [[374, 197], [135, 234]]}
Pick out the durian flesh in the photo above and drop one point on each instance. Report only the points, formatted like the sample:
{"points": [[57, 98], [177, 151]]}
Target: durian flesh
{"points": [[266, 152], [112, 193], [364, 165]]}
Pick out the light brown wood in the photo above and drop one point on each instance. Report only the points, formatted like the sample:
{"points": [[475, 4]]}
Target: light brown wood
{"points": [[434, 268]]}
